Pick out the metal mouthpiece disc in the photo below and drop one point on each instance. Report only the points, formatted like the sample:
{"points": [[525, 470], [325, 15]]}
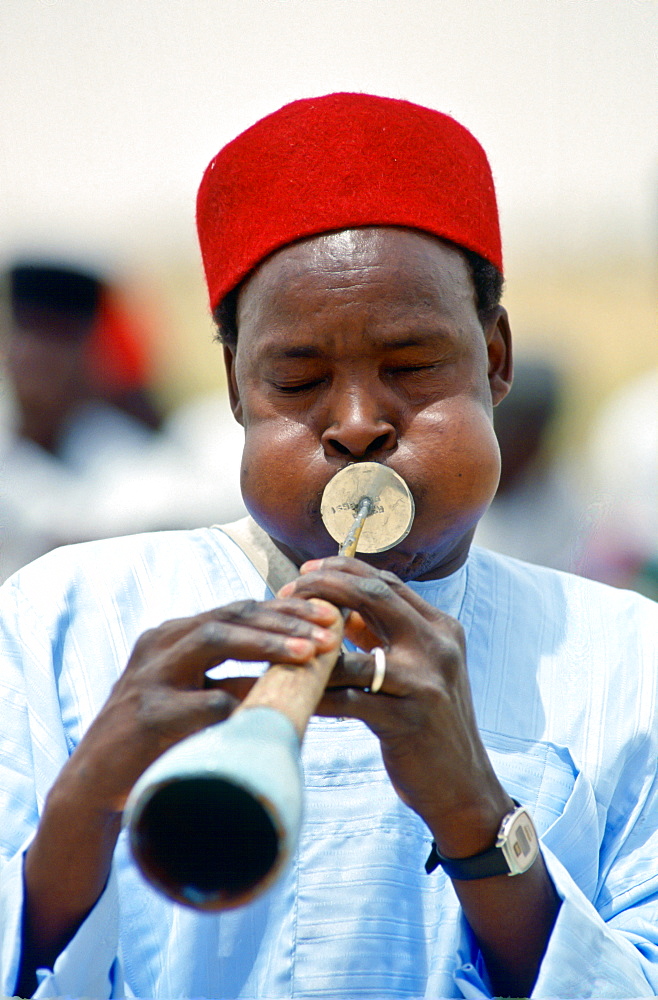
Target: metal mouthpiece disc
{"points": [[393, 505]]}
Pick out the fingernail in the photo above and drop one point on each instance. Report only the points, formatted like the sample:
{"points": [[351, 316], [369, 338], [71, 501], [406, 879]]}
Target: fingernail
{"points": [[323, 613], [286, 590], [324, 637], [311, 565], [300, 647]]}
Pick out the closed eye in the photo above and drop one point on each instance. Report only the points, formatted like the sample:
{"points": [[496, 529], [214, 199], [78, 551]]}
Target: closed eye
{"points": [[297, 388], [413, 369]]}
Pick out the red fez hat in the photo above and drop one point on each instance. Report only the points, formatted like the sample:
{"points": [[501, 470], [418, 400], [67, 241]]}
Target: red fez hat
{"points": [[338, 162]]}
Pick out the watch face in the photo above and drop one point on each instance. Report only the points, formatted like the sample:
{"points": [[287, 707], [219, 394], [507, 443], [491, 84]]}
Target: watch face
{"points": [[518, 841]]}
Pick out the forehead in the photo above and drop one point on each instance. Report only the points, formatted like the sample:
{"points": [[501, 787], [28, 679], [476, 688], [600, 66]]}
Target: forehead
{"points": [[401, 272]]}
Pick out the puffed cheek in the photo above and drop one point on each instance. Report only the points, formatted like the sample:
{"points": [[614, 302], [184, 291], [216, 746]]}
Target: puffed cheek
{"points": [[472, 466]]}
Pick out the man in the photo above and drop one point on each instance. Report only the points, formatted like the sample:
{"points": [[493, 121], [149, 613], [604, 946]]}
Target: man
{"points": [[353, 260], [80, 452], [64, 446]]}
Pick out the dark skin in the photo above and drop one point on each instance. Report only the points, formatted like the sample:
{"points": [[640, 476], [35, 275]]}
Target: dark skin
{"points": [[365, 344], [46, 364]]}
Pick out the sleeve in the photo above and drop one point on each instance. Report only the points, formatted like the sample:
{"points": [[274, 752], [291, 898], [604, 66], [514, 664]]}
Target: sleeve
{"points": [[33, 749], [86, 967], [605, 940], [589, 956]]}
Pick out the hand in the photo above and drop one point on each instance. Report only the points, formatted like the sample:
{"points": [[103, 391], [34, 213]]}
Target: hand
{"points": [[423, 715], [164, 694], [424, 718]]}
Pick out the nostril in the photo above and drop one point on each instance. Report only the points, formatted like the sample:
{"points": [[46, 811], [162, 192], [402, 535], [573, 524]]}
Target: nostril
{"points": [[376, 445], [358, 449], [340, 448]]}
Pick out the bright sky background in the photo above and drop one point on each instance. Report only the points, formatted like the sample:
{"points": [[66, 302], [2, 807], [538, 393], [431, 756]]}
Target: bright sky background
{"points": [[111, 110]]}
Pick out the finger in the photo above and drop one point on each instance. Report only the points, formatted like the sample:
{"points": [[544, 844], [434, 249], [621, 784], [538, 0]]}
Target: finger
{"points": [[238, 687], [382, 608], [294, 616], [174, 715], [208, 707], [358, 632], [212, 642], [345, 564], [352, 670], [380, 712], [356, 567], [269, 614]]}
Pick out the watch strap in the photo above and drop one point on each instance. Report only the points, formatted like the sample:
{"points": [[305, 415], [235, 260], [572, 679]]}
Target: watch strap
{"points": [[487, 863], [482, 865]]}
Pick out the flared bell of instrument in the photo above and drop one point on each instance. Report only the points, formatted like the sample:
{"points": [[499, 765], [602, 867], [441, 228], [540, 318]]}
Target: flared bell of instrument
{"points": [[215, 820]]}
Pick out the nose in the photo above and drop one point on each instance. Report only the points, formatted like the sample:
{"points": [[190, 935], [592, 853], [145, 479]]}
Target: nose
{"points": [[357, 427]]}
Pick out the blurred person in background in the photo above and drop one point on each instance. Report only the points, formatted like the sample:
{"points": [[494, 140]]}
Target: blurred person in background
{"points": [[536, 513], [80, 452], [622, 473], [60, 441], [190, 476]]}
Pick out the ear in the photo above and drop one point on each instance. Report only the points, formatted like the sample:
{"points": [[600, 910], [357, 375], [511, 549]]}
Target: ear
{"points": [[498, 338], [233, 391]]}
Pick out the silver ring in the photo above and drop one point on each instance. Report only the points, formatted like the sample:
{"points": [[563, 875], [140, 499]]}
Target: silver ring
{"points": [[380, 669]]}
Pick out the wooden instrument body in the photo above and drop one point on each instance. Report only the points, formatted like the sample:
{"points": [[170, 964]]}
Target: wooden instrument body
{"points": [[215, 819]]}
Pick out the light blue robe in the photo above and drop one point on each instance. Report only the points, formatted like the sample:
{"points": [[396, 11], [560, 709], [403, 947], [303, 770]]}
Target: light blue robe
{"points": [[564, 676]]}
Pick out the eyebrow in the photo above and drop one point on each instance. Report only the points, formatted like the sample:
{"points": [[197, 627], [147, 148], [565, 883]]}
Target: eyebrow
{"points": [[308, 351], [413, 341], [402, 343]]}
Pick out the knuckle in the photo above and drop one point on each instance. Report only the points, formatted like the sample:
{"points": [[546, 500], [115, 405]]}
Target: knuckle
{"points": [[376, 588], [158, 638], [149, 708], [391, 579], [211, 633], [339, 562], [298, 628], [147, 704], [239, 610], [145, 640], [451, 653], [289, 606], [220, 703], [147, 643], [455, 634]]}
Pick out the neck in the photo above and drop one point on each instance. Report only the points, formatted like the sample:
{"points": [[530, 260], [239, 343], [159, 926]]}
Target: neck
{"points": [[408, 567]]}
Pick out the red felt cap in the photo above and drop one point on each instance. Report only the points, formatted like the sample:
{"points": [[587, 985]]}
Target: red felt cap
{"points": [[337, 162]]}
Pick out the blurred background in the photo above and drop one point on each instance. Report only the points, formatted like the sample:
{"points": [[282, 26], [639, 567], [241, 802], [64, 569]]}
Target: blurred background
{"points": [[110, 113]]}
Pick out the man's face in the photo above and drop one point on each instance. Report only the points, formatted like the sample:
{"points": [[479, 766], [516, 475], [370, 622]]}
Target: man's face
{"points": [[365, 345], [45, 359]]}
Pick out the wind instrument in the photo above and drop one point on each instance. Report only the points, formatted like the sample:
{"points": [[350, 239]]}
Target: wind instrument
{"points": [[214, 821]]}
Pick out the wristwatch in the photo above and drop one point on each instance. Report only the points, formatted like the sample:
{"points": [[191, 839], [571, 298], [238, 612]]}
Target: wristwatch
{"points": [[515, 850]]}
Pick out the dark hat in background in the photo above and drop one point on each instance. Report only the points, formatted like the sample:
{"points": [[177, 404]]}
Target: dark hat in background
{"points": [[54, 287]]}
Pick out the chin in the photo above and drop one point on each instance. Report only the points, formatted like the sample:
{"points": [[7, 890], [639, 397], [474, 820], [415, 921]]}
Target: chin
{"points": [[423, 565], [406, 567]]}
